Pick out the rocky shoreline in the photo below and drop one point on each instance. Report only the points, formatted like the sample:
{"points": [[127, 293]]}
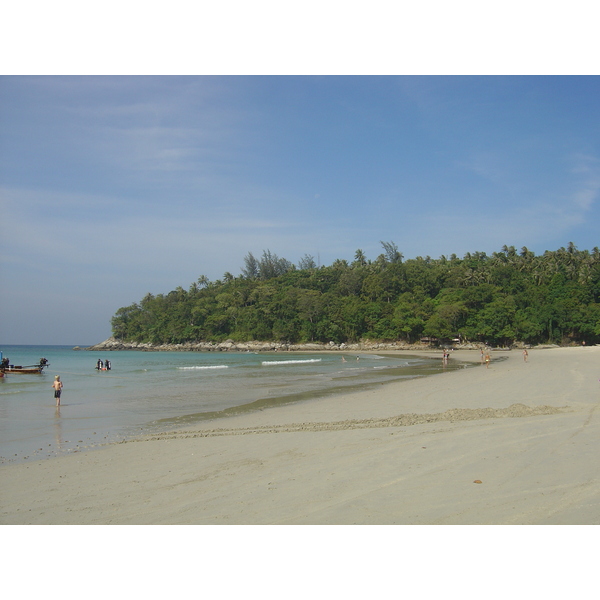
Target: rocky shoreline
{"points": [[112, 344]]}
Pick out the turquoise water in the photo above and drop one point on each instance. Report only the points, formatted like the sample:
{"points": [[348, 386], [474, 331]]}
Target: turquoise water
{"points": [[149, 391]]}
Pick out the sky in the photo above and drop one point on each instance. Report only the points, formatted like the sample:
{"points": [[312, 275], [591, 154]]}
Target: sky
{"points": [[116, 186], [191, 139]]}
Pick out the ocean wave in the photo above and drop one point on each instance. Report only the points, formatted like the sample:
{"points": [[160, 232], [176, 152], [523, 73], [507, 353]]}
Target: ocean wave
{"points": [[204, 367], [290, 362]]}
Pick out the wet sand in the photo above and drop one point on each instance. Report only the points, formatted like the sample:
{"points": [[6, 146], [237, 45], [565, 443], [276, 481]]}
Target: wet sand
{"points": [[513, 444]]}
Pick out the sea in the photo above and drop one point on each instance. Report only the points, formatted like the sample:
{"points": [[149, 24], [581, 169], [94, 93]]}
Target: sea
{"points": [[147, 392]]}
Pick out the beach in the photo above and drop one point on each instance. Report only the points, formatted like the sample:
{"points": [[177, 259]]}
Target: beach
{"points": [[515, 443]]}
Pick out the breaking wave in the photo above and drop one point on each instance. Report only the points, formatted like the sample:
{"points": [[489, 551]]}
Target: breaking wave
{"points": [[290, 362], [204, 367]]}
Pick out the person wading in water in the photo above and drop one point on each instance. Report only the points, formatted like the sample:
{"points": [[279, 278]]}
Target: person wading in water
{"points": [[58, 386]]}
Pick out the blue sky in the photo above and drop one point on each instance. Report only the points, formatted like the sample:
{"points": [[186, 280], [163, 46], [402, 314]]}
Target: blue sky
{"points": [[112, 187]]}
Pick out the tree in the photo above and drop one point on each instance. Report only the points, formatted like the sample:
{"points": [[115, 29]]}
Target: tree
{"points": [[359, 258], [391, 252], [307, 262], [203, 281], [446, 321], [410, 314], [310, 308], [508, 296], [271, 265], [252, 268]]}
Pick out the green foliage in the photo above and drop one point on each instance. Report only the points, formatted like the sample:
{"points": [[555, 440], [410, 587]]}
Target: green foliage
{"points": [[507, 297]]}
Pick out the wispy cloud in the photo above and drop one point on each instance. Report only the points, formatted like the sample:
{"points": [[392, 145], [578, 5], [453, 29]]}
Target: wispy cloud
{"points": [[587, 172], [57, 229]]}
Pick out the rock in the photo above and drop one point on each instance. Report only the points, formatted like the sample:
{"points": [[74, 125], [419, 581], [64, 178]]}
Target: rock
{"points": [[253, 346]]}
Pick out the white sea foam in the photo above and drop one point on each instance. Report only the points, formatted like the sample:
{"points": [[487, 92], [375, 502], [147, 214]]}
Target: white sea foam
{"points": [[204, 367], [290, 362]]}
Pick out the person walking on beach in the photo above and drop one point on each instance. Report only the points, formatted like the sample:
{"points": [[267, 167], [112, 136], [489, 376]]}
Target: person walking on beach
{"points": [[525, 354], [58, 386], [488, 360]]}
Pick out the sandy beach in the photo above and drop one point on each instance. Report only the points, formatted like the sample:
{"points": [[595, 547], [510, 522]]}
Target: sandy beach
{"points": [[513, 444]]}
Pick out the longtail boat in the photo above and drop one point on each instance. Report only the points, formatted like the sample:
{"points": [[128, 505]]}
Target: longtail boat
{"points": [[27, 370]]}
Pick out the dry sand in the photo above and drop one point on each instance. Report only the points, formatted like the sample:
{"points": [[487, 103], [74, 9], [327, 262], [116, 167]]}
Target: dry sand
{"points": [[513, 444]]}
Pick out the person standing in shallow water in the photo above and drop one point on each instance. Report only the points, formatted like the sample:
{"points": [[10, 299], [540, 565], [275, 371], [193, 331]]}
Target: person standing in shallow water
{"points": [[58, 386]]}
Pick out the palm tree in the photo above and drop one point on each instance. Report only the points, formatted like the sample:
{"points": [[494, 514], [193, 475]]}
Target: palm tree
{"points": [[527, 253], [360, 258]]}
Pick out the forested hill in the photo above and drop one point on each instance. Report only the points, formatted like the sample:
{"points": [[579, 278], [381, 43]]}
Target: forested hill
{"points": [[500, 299]]}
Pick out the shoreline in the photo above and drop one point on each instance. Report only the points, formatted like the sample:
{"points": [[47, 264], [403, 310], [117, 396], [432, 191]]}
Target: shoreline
{"points": [[406, 452], [431, 364], [268, 403]]}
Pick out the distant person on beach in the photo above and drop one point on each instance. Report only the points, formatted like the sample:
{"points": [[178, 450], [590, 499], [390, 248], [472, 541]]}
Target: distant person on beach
{"points": [[525, 354], [488, 360], [57, 385]]}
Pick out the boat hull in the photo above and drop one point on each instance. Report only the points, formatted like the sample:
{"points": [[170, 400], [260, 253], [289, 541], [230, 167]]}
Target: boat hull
{"points": [[22, 371]]}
